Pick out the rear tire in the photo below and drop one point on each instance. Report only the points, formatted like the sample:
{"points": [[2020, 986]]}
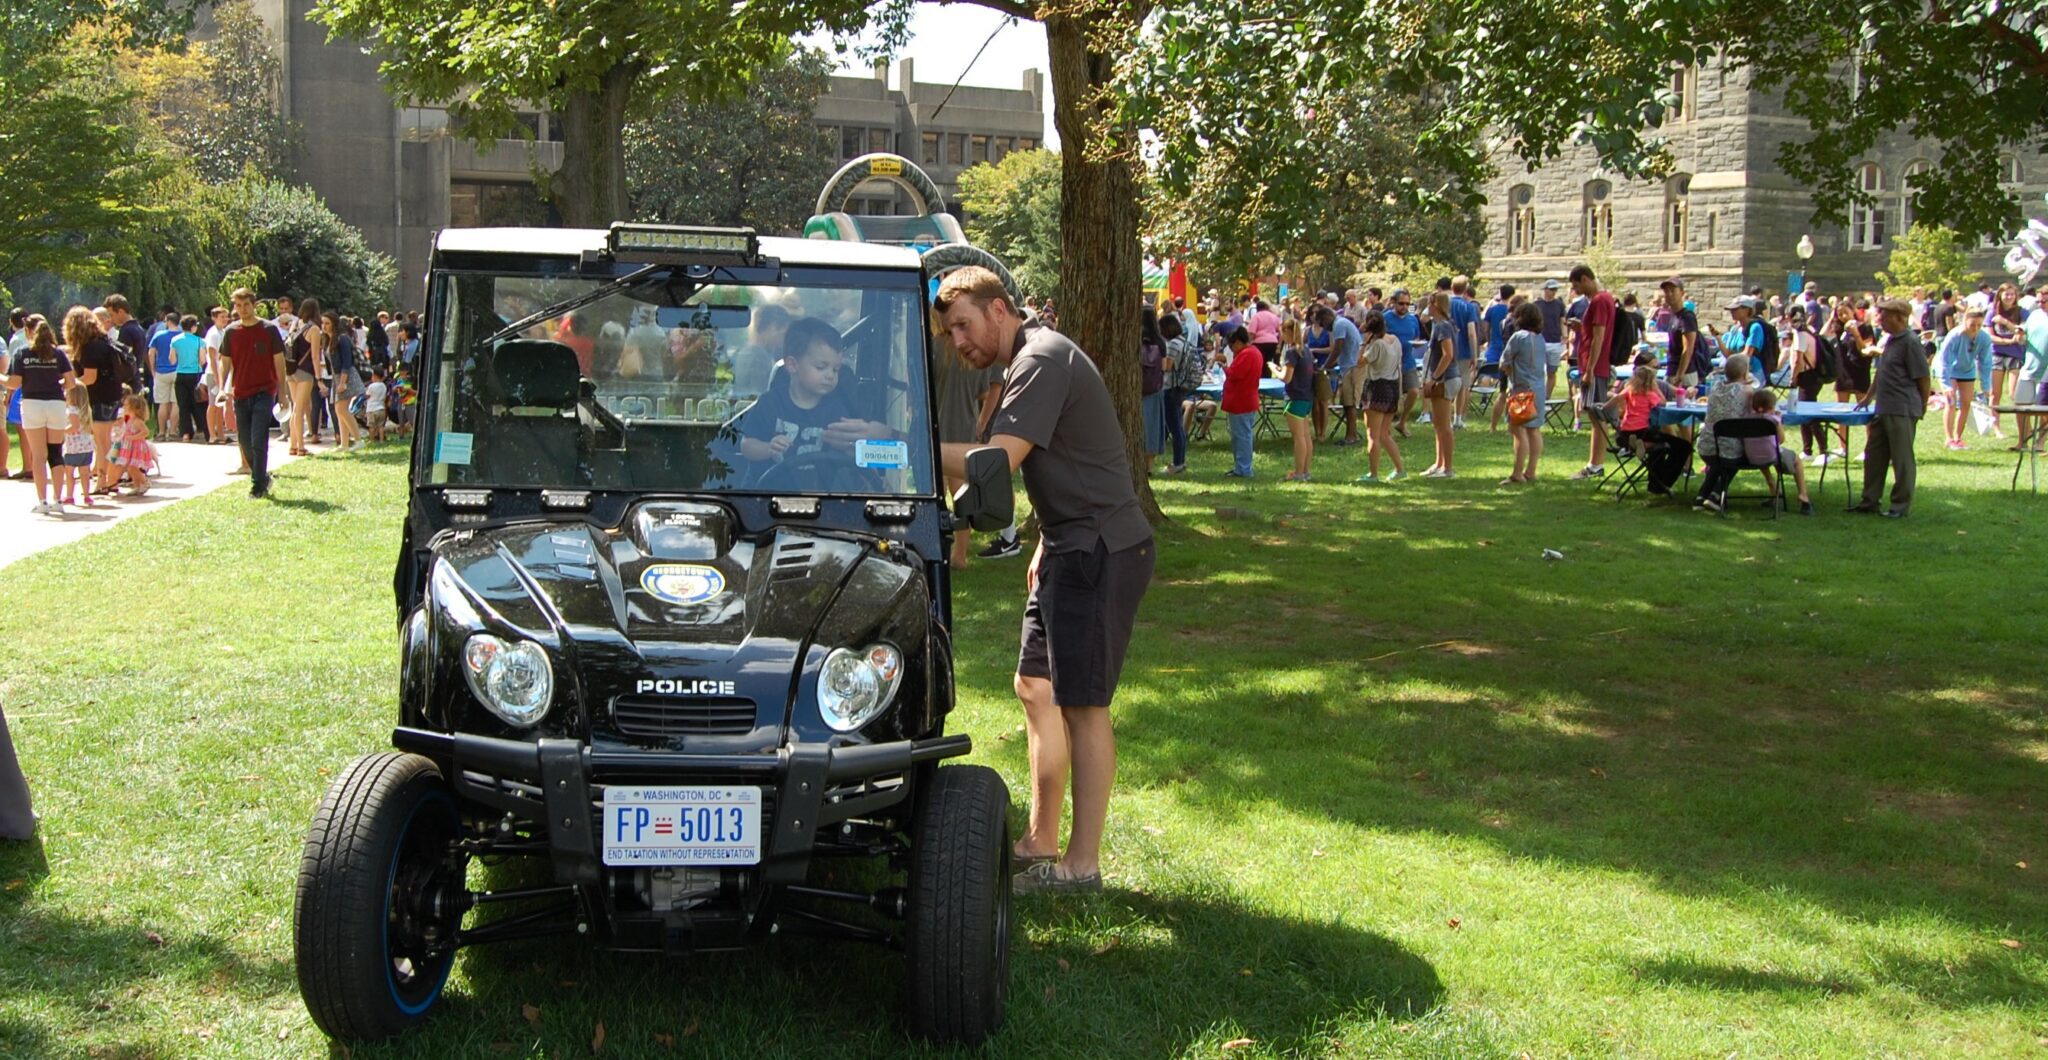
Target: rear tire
{"points": [[957, 940], [374, 949]]}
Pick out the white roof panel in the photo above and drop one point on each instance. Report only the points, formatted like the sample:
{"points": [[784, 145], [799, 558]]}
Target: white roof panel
{"points": [[572, 242]]}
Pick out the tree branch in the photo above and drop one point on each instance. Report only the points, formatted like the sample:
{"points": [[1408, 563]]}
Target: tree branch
{"points": [[1025, 11]]}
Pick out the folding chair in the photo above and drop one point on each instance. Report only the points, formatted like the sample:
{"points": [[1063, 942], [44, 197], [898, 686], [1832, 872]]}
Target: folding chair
{"points": [[1627, 468], [1733, 457]]}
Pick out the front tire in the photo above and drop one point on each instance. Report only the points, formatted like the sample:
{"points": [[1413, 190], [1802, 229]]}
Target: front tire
{"points": [[958, 936], [378, 898]]}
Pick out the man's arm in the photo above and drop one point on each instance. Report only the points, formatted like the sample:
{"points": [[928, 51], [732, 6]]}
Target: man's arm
{"points": [[1596, 341], [1685, 344], [953, 455]]}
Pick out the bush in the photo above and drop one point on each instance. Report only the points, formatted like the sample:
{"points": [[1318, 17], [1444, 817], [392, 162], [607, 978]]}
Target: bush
{"points": [[302, 247]]}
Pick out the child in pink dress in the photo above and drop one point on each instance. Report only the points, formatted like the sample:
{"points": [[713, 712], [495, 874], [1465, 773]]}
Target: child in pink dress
{"points": [[133, 451]]}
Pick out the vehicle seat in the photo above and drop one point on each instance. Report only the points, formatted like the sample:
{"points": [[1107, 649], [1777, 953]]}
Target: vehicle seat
{"points": [[535, 436]]}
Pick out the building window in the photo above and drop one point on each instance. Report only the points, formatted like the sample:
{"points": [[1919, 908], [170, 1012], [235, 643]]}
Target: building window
{"points": [[1909, 186], [1521, 224], [1713, 228], [2009, 171], [881, 140], [1026, 143], [1866, 222], [1685, 81], [931, 149], [498, 204], [851, 140], [1001, 147], [956, 149], [979, 151], [1597, 227], [1677, 213]]}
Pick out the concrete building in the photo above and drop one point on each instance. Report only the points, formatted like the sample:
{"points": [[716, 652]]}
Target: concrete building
{"points": [[1728, 217], [401, 174], [941, 128]]}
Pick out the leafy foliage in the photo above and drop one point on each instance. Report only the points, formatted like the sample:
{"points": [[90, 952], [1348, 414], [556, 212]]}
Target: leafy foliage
{"points": [[302, 247], [1013, 212], [72, 177], [217, 100], [1346, 192], [1930, 257], [755, 160], [1537, 76]]}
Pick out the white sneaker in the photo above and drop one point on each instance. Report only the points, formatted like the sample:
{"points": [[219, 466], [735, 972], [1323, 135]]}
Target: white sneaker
{"points": [[1458, 424], [42, 509], [1424, 418]]}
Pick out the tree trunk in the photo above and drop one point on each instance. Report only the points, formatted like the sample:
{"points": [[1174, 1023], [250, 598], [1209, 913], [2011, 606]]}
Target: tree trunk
{"points": [[1101, 266], [589, 191]]}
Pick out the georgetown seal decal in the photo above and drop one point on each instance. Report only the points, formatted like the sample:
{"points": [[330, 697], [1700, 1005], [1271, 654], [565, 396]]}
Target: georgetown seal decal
{"points": [[682, 583]]}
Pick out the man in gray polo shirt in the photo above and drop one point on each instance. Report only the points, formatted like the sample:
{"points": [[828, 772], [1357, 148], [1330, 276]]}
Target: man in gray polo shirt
{"points": [[1900, 390], [1058, 425]]}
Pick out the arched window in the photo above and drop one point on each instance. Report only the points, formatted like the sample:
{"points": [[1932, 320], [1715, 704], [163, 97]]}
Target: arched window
{"points": [[1685, 90], [1866, 222], [1909, 186], [1677, 212], [2009, 172], [1597, 226], [1521, 224]]}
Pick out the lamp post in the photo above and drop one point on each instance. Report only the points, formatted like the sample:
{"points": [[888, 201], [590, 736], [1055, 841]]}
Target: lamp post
{"points": [[1805, 251]]}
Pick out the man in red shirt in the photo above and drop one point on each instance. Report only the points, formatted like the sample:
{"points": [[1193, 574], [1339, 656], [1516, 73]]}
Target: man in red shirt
{"points": [[1596, 373], [1241, 398], [255, 365]]}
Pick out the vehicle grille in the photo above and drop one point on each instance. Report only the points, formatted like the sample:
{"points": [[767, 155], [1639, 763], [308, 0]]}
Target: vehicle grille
{"points": [[648, 716]]}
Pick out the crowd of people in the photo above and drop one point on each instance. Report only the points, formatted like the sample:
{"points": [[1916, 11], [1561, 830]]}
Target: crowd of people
{"points": [[1394, 360], [92, 394]]}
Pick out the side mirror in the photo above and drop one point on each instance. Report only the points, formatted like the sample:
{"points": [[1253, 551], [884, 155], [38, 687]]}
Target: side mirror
{"points": [[986, 502]]}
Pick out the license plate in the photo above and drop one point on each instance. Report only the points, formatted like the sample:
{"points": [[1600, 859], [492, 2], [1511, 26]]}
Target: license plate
{"points": [[682, 826]]}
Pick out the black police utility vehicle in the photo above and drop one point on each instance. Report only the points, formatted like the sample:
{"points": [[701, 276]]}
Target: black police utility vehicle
{"points": [[674, 622]]}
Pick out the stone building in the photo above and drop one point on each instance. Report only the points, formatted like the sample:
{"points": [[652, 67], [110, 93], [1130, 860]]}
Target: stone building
{"points": [[1728, 218], [941, 128], [401, 174]]}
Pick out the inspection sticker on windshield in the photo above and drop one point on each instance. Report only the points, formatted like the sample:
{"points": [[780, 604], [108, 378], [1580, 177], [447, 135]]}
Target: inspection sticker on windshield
{"points": [[453, 447], [682, 826], [881, 454]]}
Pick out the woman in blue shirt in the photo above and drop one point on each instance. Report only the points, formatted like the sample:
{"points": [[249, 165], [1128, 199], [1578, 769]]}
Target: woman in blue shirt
{"points": [[1962, 356]]}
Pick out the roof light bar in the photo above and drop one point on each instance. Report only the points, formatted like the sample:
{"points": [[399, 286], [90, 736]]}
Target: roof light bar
{"points": [[683, 245]]}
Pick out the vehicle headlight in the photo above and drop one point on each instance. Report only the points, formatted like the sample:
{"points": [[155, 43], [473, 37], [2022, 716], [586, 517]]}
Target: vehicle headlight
{"points": [[513, 678], [854, 685]]}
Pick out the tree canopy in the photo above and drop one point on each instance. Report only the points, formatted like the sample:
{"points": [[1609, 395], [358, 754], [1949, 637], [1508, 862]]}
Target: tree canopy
{"points": [[1344, 198], [1013, 212], [755, 160], [594, 63], [1537, 76]]}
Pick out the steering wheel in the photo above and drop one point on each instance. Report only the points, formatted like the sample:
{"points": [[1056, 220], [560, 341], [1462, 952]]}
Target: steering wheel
{"points": [[835, 472]]}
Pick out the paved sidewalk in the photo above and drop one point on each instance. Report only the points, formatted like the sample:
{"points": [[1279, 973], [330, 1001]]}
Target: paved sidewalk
{"points": [[189, 470]]}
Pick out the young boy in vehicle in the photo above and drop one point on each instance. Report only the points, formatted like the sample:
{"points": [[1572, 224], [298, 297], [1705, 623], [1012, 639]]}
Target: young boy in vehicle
{"points": [[805, 411]]}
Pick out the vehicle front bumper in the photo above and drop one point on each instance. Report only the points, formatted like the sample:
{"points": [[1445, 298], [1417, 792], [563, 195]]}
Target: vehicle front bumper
{"points": [[560, 783]]}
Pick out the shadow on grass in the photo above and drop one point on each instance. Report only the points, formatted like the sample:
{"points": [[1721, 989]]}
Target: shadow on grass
{"points": [[1967, 982], [84, 973], [1180, 976], [304, 504]]}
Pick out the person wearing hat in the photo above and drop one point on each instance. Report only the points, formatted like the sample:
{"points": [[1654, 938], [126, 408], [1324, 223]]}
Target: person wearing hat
{"points": [[1746, 336], [1682, 364], [1900, 389]]}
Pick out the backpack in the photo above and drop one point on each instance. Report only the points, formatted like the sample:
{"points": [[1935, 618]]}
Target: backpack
{"points": [[1626, 334], [1769, 352], [126, 370], [1825, 358], [1152, 360]]}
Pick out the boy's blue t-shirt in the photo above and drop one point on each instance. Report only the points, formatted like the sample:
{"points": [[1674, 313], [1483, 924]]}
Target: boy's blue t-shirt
{"points": [[777, 415], [1464, 315], [160, 345], [1497, 325], [186, 349]]}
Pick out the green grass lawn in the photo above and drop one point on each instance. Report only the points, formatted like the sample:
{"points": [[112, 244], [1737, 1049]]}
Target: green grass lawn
{"points": [[1391, 784]]}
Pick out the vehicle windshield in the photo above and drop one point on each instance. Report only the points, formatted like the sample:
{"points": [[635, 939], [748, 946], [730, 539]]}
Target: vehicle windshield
{"points": [[787, 381]]}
